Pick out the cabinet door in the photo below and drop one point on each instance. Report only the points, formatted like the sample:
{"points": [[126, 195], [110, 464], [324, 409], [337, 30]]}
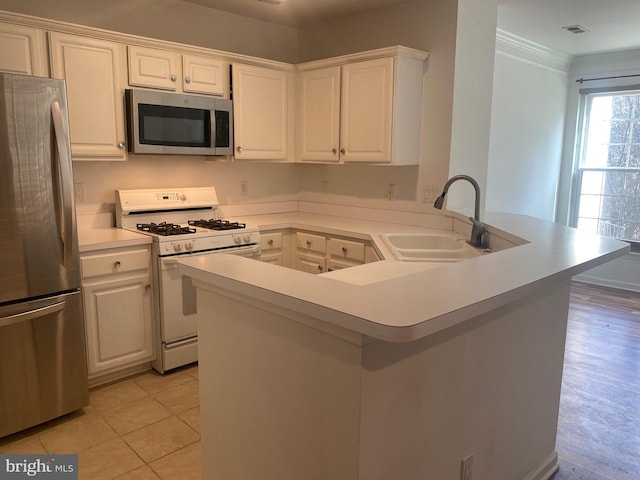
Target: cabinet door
{"points": [[319, 115], [367, 111], [310, 262], [370, 254], [150, 67], [344, 253], [24, 50], [260, 110], [119, 323], [95, 75], [202, 75], [271, 248]]}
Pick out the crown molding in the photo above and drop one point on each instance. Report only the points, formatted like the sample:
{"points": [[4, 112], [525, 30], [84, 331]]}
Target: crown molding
{"points": [[519, 47]]}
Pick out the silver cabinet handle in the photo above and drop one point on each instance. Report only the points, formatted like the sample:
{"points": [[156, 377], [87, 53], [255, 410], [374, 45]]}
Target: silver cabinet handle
{"points": [[187, 79], [117, 264], [121, 145], [174, 78], [239, 149], [343, 151]]}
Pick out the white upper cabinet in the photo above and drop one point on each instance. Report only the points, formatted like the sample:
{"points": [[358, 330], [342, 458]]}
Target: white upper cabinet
{"points": [[260, 108], [362, 108], [203, 75], [23, 51], [168, 70], [150, 67], [367, 111], [318, 132], [95, 72]]}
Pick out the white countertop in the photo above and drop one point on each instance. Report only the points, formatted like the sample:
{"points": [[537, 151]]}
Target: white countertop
{"points": [[403, 301], [90, 240]]}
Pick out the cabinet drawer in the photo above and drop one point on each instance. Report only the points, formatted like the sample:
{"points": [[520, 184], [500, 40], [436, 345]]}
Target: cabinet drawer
{"points": [[346, 249], [270, 241], [114, 262], [308, 241]]}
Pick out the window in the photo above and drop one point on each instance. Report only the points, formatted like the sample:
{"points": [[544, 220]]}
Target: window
{"points": [[607, 177]]}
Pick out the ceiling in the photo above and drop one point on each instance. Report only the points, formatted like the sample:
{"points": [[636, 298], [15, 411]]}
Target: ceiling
{"points": [[612, 24]]}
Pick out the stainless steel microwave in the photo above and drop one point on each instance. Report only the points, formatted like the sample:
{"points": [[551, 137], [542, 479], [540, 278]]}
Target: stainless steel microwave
{"points": [[176, 124]]}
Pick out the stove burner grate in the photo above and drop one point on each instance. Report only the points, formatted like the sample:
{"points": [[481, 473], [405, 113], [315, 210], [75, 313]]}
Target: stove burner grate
{"points": [[212, 224], [165, 228]]}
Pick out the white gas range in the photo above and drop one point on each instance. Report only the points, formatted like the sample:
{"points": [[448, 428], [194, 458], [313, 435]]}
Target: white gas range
{"points": [[182, 223]]}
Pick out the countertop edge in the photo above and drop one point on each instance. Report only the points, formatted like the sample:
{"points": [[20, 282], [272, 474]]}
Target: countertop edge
{"points": [[387, 310]]}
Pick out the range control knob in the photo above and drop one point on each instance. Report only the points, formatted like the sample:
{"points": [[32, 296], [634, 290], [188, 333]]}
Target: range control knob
{"points": [[177, 247], [188, 246], [247, 237], [237, 239]]}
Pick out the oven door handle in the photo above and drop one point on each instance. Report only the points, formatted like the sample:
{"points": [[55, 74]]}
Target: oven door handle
{"points": [[169, 261]]}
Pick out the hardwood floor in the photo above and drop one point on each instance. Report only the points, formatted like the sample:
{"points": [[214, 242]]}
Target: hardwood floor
{"points": [[599, 424]]}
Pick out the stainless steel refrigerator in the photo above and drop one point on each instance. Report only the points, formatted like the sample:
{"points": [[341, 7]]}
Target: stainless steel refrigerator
{"points": [[43, 369]]}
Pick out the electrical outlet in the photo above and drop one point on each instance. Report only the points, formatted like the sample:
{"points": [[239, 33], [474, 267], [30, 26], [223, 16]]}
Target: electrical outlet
{"points": [[78, 192], [391, 191], [466, 468], [244, 188]]}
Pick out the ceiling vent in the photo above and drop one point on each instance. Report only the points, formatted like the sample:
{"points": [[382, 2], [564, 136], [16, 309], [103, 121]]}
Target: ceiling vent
{"points": [[575, 29]]}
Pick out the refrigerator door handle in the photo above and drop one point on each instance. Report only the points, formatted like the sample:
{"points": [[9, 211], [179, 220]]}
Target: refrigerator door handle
{"points": [[31, 314], [64, 164]]}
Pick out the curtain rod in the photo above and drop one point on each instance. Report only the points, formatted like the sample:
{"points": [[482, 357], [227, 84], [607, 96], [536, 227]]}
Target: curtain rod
{"points": [[582, 80]]}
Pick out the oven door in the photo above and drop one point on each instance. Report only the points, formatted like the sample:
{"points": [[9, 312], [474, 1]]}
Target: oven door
{"points": [[178, 321]]}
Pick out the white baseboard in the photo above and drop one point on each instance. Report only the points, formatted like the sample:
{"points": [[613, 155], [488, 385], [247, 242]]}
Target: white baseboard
{"points": [[607, 282], [622, 273], [546, 469]]}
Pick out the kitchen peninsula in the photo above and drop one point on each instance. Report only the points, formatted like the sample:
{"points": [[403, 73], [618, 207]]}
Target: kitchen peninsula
{"points": [[401, 370]]}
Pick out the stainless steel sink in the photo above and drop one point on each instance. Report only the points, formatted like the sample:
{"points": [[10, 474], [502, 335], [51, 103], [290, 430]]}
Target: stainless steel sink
{"points": [[429, 247]]}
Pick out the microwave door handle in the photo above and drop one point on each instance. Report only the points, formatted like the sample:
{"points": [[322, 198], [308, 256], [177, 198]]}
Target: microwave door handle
{"points": [[64, 165], [213, 130]]}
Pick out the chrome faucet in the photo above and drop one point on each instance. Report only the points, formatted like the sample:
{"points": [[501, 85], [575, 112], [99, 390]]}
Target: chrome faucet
{"points": [[477, 227]]}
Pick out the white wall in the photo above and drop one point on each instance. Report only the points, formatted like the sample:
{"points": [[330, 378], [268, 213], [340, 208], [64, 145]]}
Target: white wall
{"points": [[473, 81], [171, 20], [527, 126]]}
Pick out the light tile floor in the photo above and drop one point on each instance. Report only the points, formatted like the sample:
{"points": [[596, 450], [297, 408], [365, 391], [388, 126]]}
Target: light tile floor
{"points": [[141, 428]]}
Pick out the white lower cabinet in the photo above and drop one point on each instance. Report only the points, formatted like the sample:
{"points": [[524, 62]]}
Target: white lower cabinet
{"points": [[342, 253], [314, 252], [310, 252], [116, 287], [275, 248]]}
